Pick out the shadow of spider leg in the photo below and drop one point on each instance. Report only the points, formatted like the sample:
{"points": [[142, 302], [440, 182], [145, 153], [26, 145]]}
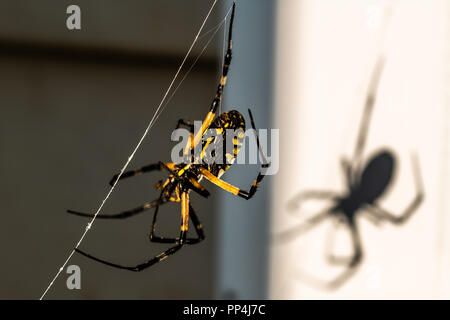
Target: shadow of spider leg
{"points": [[330, 241], [382, 214], [293, 207], [160, 166], [297, 201], [351, 264], [296, 231]]}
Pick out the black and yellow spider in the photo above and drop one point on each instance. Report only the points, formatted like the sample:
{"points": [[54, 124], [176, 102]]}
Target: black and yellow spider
{"points": [[185, 177]]}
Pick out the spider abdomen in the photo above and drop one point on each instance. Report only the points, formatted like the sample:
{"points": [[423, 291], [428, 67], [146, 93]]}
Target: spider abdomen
{"points": [[228, 125], [372, 184], [376, 176]]}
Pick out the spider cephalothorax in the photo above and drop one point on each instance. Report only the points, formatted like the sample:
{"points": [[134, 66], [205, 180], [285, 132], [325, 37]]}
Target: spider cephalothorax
{"points": [[185, 177]]}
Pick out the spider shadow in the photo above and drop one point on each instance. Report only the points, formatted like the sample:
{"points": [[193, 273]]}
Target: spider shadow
{"points": [[366, 182]]}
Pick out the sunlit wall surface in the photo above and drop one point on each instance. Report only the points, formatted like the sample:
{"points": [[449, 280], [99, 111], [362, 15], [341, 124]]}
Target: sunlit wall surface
{"points": [[325, 54]]}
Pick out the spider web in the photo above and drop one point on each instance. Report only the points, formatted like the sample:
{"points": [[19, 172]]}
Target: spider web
{"points": [[161, 106]]}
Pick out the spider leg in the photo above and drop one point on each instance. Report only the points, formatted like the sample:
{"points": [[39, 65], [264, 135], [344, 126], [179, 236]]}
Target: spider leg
{"points": [[342, 260], [198, 228], [163, 255], [138, 267], [381, 213], [348, 172], [351, 263], [218, 97], [123, 214], [151, 167], [367, 113], [343, 276], [187, 123], [296, 202], [374, 219], [330, 238], [232, 189], [235, 190], [194, 185], [301, 228], [191, 182], [195, 221]]}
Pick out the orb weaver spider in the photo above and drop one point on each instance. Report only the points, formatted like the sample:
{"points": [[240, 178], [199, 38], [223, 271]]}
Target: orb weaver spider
{"points": [[185, 177], [366, 182]]}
